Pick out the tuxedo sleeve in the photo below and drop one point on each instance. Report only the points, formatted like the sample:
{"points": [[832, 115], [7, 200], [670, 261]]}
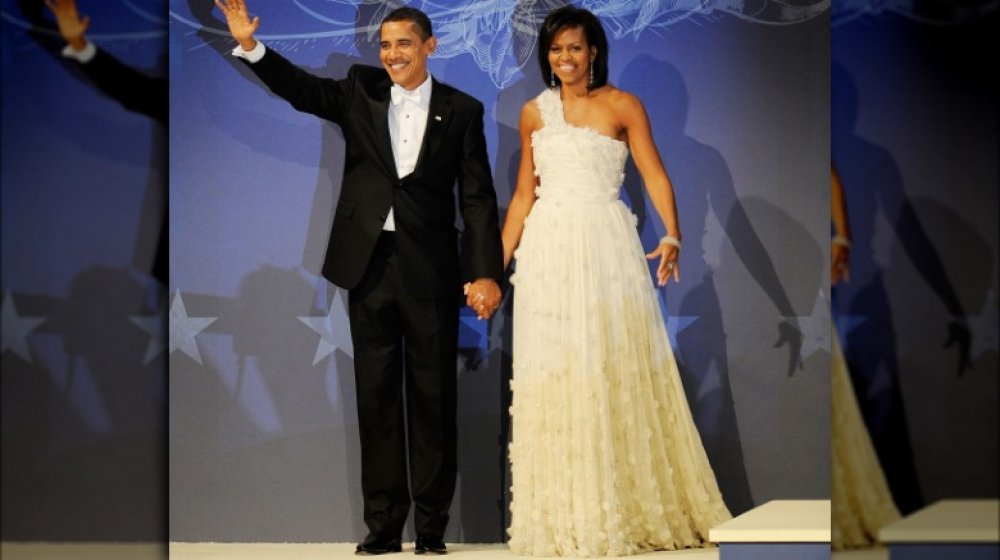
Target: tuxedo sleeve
{"points": [[135, 91], [326, 98], [478, 204]]}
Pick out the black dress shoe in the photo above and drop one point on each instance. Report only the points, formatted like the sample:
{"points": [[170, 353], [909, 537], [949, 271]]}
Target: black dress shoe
{"points": [[430, 544], [378, 544]]}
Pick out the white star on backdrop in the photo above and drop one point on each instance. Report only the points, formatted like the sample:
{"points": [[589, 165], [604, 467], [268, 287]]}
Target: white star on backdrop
{"points": [[675, 323], [473, 333], [153, 326], [879, 383], [710, 381], [183, 329], [847, 323], [331, 338], [815, 327], [713, 240], [15, 329]]}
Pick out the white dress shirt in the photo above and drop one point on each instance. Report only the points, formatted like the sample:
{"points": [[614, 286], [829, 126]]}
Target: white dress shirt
{"points": [[407, 121], [252, 55], [84, 55]]}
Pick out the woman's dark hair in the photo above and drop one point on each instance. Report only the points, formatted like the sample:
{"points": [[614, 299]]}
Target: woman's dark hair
{"points": [[414, 16], [571, 16]]}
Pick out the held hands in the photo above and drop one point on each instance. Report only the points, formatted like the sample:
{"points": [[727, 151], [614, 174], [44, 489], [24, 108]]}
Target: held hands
{"points": [[240, 25], [71, 26], [483, 296], [668, 250]]}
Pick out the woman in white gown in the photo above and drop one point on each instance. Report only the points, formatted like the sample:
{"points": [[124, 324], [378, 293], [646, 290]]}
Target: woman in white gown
{"points": [[606, 459]]}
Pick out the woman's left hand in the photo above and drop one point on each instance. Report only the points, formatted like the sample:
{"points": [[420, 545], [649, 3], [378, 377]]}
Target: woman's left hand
{"points": [[668, 263], [840, 269]]}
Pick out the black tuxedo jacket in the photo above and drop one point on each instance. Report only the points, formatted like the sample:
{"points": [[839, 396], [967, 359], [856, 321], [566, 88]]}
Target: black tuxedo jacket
{"points": [[453, 152]]}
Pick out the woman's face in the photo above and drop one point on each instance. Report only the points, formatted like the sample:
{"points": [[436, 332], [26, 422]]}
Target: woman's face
{"points": [[570, 56]]}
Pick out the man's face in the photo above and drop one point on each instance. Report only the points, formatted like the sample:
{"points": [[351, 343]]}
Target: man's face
{"points": [[404, 54]]}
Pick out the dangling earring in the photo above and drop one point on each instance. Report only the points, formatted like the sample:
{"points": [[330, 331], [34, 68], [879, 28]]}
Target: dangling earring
{"points": [[552, 79], [591, 74]]}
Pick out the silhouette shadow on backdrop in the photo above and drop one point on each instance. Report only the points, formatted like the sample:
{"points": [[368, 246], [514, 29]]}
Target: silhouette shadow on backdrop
{"points": [[875, 191], [141, 92], [83, 427]]}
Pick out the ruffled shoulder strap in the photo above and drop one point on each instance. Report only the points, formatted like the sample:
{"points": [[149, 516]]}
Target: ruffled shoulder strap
{"points": [[550, 106]]}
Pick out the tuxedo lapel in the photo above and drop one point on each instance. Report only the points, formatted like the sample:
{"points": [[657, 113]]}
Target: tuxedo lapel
{"points": [[438, 116], [379, 107]]}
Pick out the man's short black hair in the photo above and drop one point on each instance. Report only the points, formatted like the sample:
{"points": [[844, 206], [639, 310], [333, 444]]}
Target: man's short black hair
{"points": [[414, 16]]}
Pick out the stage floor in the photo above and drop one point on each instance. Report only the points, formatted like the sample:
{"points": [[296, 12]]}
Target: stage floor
{"points": [[83, 551], [290, 551], [333, 551]]}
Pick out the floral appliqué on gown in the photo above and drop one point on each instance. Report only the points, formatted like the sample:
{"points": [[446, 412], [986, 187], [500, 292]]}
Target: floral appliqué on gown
{"points": [[606, 459]]}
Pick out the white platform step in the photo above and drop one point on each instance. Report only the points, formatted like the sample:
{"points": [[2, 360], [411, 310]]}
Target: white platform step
{"points": [[952, 529], [778, 521], [968, 521], [777, 530]]}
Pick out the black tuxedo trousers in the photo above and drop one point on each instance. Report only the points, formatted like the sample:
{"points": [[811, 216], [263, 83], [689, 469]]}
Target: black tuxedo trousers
{"points": [[405, 353]]}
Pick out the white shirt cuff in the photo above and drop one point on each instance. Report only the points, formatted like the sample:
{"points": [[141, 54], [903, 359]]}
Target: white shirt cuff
{"points": [[84, 55], [252, 55]]}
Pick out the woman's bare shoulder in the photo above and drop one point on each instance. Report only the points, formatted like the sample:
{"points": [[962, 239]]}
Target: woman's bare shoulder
{"points": [[623, 100], [531, 115]]}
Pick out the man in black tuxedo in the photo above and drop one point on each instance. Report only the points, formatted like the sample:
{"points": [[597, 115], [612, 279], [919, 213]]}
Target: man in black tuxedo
{"points": [[409, 140]]}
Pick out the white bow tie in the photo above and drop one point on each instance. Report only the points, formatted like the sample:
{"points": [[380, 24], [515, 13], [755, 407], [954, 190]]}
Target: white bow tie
{"points": [[397, 93]]}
